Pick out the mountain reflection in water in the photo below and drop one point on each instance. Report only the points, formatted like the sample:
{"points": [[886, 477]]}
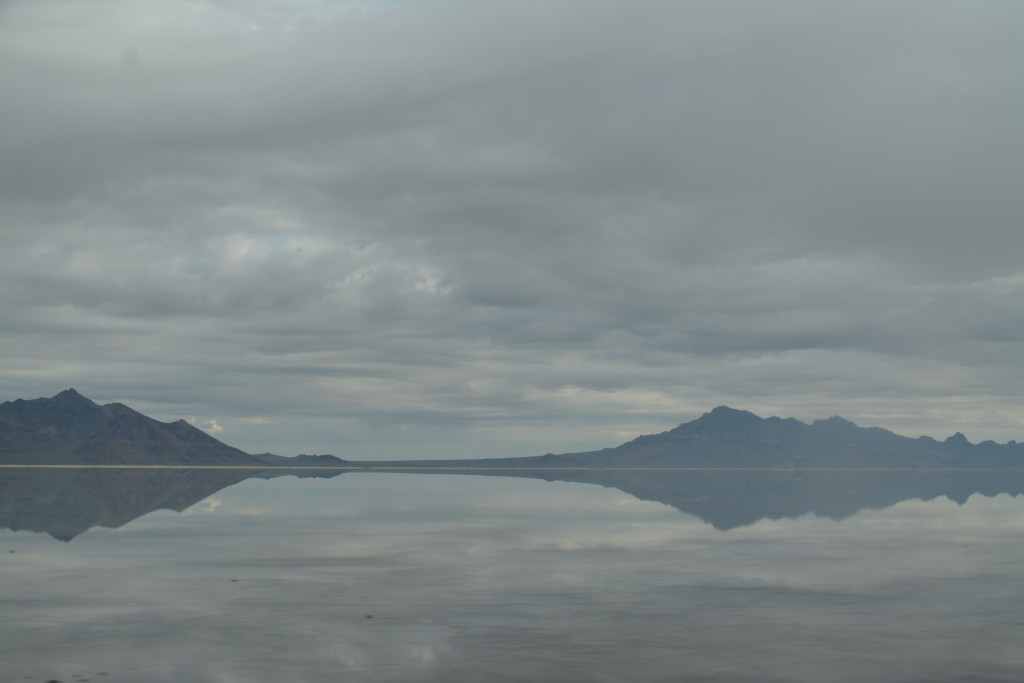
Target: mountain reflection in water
{"points": [[66, 502], [391, 577]]}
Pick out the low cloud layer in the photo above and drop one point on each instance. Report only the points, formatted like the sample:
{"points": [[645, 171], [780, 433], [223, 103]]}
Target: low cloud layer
{"points": [[548, 225]]}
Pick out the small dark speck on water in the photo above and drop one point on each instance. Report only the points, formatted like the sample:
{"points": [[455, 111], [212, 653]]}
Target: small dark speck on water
{"points": [[368, 616]]}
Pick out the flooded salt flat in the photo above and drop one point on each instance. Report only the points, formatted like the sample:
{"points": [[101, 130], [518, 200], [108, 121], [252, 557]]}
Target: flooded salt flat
{"points": [[419, 577]]}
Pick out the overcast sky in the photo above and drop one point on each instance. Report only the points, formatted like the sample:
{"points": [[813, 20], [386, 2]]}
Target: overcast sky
{"points": [[508, 228]]}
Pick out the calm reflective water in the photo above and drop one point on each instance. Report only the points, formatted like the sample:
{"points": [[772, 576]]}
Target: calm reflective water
{"points": [[420, 577]]}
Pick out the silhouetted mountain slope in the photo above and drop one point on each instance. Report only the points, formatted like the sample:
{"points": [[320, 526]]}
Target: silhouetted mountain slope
{"points": [[71, 429]]}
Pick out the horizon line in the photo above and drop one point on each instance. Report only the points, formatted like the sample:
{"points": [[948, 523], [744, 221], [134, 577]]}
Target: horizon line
{"points": [[386, 468]]}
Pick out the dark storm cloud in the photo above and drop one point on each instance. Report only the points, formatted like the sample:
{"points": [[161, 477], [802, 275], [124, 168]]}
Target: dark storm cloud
{"points": [[509, 211]]}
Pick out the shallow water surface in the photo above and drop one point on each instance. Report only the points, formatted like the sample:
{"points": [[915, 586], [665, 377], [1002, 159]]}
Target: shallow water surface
{"points": [[418, 577]]}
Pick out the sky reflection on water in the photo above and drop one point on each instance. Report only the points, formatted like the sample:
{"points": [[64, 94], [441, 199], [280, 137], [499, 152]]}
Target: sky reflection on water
{"points": [[405, 577]]}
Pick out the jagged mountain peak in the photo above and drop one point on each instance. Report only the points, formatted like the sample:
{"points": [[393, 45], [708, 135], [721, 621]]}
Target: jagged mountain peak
{"points": [[957, 439], [725, 414], [71, 395]]}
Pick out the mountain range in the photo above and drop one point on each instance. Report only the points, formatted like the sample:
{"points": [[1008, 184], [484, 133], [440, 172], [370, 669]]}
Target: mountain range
{"points": [[70, 429]]}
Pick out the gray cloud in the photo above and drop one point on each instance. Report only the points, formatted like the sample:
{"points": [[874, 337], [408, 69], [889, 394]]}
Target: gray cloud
{"points": [[550, 221]]}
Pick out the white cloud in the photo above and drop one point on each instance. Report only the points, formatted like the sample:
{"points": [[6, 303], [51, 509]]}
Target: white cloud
{"points": [[206, 425], [208, 505]]}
